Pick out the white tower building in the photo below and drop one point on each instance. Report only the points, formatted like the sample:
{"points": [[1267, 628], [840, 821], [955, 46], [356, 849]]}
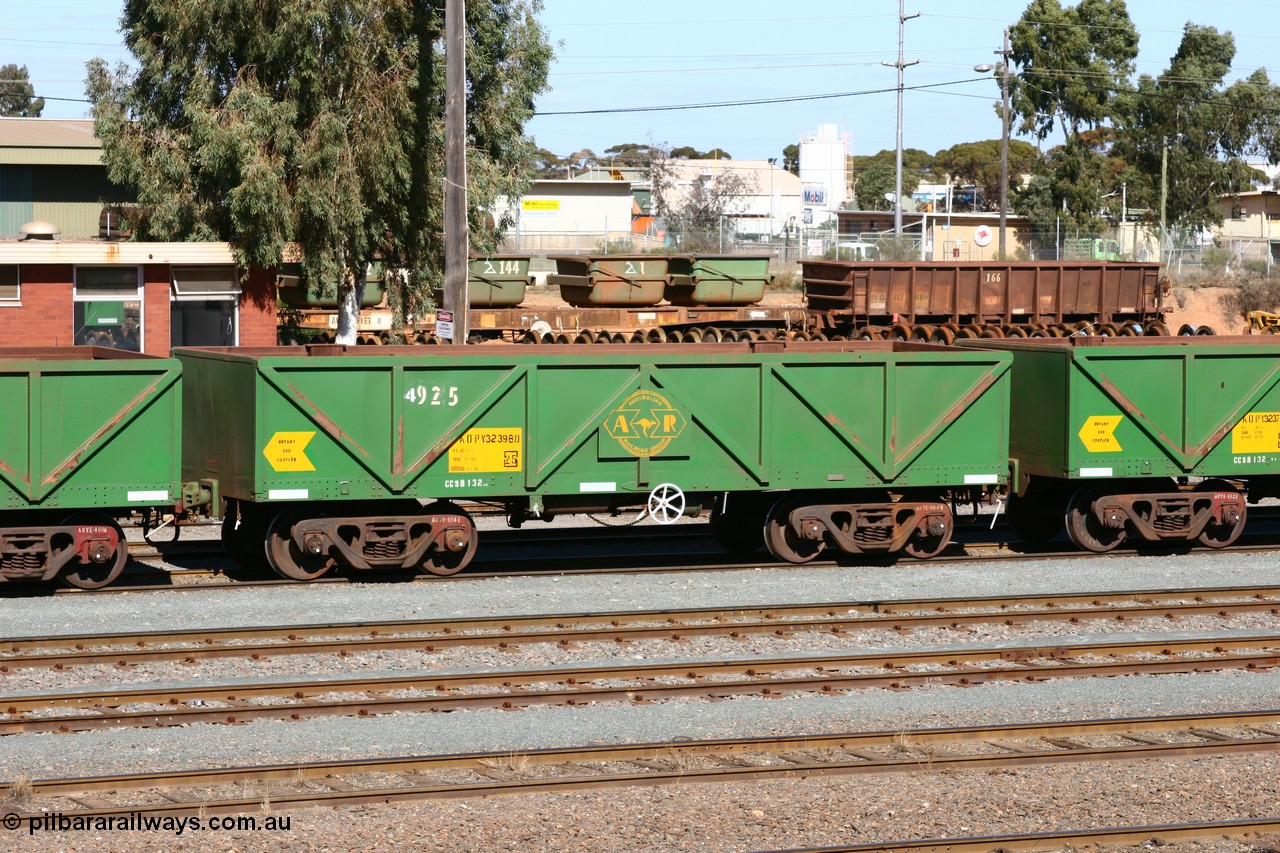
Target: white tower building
{"points": [[823, 168]]}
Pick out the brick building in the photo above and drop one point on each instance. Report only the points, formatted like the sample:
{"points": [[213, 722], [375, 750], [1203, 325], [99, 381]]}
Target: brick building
{"points": [[145, 297]]}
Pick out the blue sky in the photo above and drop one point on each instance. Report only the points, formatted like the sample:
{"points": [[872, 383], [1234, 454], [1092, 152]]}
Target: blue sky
{"points": [[627, 56]]}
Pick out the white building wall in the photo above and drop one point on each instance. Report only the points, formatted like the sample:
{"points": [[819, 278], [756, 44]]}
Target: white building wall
{"points": [[569, 215], [823, 167]]}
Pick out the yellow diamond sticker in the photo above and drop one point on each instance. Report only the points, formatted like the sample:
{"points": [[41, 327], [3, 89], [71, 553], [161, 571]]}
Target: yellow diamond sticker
{"points": [[1257, 432], [285, 451], [1098, 433]]}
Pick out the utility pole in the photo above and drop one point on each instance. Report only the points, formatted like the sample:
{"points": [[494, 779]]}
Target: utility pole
{"points": [[1004, 138], [456, 245], [1164, 197], [903, 17]]}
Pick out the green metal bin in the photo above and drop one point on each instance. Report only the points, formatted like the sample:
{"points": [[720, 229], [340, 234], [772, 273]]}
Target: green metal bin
{"points": [[497, 281], [728, 280], [610, 281]]}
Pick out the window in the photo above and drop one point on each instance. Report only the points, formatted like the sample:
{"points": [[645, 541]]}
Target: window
{"points": [[9, 290], [205, 282], [108, 307], [205, 306]]}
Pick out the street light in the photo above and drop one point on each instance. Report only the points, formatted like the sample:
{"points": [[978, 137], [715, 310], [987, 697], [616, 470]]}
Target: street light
{"points": [[1002, 68]]}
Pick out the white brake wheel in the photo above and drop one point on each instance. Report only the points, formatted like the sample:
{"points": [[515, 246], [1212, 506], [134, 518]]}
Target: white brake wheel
{"points": [[666, 503]]}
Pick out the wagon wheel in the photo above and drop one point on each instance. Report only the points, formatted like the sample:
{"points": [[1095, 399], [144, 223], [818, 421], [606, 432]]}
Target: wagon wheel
{"points": [[1220, 536], [782, 541], [1156, 329], [284, 555], [736, 528], [96, 575], [442, 561], [925, 544], [1205, 330], [943, 335], [1084, 529], [921, 334], [666, 503]]}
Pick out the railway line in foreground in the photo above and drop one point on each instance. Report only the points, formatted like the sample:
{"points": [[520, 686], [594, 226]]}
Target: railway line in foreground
{"points": [[629, 682], [366, 781]]}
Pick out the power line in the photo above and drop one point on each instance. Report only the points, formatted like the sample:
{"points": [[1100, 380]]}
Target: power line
{"points": [[753, 102]]}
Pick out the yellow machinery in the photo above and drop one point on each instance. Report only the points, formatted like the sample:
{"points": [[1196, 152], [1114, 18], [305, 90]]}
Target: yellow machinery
{"points": [[1264, 322]]}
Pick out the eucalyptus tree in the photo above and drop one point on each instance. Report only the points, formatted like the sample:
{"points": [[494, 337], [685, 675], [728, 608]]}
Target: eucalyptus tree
{"points": [[17, 96], [1190, 125], [316, 122], [1073, 68]]}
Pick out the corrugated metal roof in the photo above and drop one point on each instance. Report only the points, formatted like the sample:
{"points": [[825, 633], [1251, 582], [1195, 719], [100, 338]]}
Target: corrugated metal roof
{"points": [[100, 252], [48, 141], [47, 133]]}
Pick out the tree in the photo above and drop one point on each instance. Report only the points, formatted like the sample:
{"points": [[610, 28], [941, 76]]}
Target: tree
{"points": [[697, 210], [1208, 128], [17, 97], [791, 159], [874, 176], [978, 163], [1074, 63], [319, 123]]}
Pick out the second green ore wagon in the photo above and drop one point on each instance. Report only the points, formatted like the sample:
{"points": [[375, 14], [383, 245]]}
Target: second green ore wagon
{"points": [[1150, 439], [360, 457]]}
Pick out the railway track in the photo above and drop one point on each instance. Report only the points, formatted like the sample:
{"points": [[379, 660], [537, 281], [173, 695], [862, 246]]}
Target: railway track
{"points": [[642, 683], [691, 549], [189, 646], [1160, 835], [356, 782]]}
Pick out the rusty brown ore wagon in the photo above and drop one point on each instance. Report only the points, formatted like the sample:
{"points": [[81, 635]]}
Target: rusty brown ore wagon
{"points": [[943, 301]]}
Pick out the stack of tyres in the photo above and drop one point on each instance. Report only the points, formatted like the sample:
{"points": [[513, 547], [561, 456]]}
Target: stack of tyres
{"points": [[1154, 440], [361, 457], [88, 435]]}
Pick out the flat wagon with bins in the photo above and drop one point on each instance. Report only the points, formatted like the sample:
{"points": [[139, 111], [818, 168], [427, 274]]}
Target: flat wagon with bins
{"points": [[360, 457]]}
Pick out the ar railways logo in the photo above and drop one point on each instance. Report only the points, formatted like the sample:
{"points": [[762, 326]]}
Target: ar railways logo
{"points": [[645, 424]]}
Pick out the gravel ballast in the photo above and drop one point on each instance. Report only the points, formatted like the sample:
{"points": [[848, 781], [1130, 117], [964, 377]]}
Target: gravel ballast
{"points": [[746, 816]]}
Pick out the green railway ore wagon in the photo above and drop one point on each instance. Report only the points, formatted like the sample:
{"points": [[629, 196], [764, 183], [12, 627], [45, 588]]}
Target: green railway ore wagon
{"points": [[328, 454], [1158, 439], [87, 434]]}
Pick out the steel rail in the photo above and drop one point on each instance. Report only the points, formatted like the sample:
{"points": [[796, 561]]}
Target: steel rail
{"points": [[795, 753], [1071, 838], [849, 742], [623, 626], [703, 679]]}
